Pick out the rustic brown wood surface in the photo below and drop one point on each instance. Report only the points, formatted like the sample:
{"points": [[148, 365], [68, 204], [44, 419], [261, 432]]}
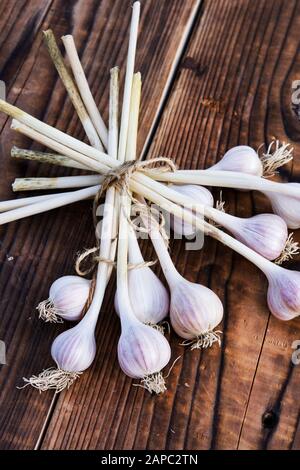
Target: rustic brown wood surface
{"points": [[240, 56]]}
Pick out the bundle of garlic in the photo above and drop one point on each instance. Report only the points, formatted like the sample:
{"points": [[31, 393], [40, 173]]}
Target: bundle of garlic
{"points": [[142, 301]]}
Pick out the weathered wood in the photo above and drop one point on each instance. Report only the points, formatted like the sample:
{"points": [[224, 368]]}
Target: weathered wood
{"points": [[242, 58], [43, 248], [209, 392]]}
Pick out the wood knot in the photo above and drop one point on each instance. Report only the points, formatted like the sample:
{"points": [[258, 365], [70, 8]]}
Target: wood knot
{"points": [[269, 419]]}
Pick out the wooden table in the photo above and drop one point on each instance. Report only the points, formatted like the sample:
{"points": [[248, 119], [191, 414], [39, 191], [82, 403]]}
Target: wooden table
{"points": [[215, 75]]}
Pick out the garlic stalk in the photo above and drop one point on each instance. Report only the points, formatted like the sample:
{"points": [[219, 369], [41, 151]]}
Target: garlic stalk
{"points": [[148, 296], [53, 143], [284, 197], [265, 233], [45, 157], [84, 88], [46, 204], [201, 195], [72, 90], [142, 350], [128, 81], [283, 290], [74, 350], [67, 298], [99, 161], [25, 201], [96, 160], [226, 179], [61, 182], [195, 310]]}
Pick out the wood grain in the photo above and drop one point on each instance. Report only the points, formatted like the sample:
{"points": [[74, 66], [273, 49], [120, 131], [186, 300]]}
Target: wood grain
{"points": [[38, 250], [243, 55]]}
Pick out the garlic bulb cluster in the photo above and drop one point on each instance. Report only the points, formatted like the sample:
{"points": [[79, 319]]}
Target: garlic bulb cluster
{"points": [[241, 158], [148, 296], [264, 233], [67, 298], [287, 207], [200, 195]]}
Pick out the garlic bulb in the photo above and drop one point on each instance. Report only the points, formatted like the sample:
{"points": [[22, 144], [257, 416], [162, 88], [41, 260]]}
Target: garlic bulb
{"points": [[195, 310], [287, 207], [265, 233], [75, 349], [148, 296], [284, 293], [200, 195], [142, 350], [67, 298], [241, 158], [284, 285]]}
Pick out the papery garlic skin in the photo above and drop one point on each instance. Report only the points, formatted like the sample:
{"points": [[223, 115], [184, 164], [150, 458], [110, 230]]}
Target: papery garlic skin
{"points": [[194, 310], [200, 195], [69, 295], [287, 207], [241, 158], [142, 350], [74, 350], [264, 233], [148, 296], [284, 293]]}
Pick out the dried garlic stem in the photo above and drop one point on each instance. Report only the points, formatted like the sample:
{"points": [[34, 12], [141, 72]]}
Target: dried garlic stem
{"points": [[48, 204], [84, 88], [45, 157], [24, 201], [128, 81], [226, 179], [71, 88], [59, 147], [62, 182]]}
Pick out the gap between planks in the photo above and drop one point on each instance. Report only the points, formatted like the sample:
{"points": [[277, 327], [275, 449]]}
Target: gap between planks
{"points": [[189, 28]]}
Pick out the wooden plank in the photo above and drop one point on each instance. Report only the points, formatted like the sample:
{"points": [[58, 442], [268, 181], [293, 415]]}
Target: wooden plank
{"points": [[273, 410], [233, 58], [37, 251], [247, 75]]}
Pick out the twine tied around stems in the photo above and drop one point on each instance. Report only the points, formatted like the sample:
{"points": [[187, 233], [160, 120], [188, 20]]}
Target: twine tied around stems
{"points": [[120, 179]]}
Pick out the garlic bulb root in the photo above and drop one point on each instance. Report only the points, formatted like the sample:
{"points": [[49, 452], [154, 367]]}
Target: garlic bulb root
{"points": [[291, 248], [52, 379], [153, 383], [48, 312], [204, 340], [161, 327], [275, 158]]}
